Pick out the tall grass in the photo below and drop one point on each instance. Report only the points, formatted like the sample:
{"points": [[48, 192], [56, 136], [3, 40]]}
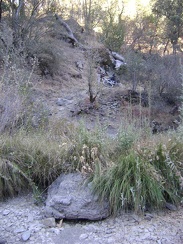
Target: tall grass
{"points": [[28, 159], [32, 159], [132, 171], [140, 180], [128, 185]]}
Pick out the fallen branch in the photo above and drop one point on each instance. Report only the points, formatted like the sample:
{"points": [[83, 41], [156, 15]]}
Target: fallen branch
{"points": [[70, 34], [118, 56]]}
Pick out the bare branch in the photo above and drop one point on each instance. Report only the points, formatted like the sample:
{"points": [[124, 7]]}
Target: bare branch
{"points": [[21, 2], [68, 29]]}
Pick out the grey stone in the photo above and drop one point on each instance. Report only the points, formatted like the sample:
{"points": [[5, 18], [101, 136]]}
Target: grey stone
{"points": [[6, 212], [26, 235], [60, 102], [30, 218], [79, 65], [111, 240], [148, 216], [19, 230], [49, 222], [83, 236], [36, 228], [109, 231], [70, 197], [54, 230], [171, 206]]}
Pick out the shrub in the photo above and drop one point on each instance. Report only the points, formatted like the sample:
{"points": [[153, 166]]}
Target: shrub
{"points": [[113, 28], [33, 42], [139, 180], [18, 105], [113, 35], [164, 75], [126, 138], [135, 68], [48, 56]]}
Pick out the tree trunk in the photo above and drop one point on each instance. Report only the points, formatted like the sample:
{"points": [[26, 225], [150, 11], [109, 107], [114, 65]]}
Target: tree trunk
{"points": [[165, 49], [134, 81], [1, 1]]}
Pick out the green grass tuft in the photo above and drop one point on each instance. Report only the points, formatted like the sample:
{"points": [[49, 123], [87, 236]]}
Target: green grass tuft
{"points": [[136, 182]]}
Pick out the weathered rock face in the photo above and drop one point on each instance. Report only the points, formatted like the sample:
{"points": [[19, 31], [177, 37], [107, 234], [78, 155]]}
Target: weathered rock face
{"points": [[70, 197]]}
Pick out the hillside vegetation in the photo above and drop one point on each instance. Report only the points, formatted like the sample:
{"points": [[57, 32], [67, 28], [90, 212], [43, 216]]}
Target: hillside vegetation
{"points": [[58, 113]]}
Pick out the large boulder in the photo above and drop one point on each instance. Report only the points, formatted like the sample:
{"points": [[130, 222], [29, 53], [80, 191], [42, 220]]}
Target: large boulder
{"points": [[71, 197]]}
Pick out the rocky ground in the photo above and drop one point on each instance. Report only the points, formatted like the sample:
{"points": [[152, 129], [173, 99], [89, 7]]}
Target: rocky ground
{"points": [[23, 221]]}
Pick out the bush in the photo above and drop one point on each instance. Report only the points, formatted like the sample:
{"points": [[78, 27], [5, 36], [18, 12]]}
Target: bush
{"points": [[113, 27], [135, 68], [113, 35], [18, 106], [140, 180], [32, 44], [126, 138], [48, 56]]}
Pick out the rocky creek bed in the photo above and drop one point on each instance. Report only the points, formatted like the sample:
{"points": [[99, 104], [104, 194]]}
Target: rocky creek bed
{"points": [[23, 221]]}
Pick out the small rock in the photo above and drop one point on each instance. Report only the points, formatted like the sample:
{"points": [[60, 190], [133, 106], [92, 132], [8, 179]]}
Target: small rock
{"points": [[109, 231], [148, 216], [83, 236], [49, 222], [136, 218], [35, 229], [171, 206], [79, 65], [26, 235], [54, 230], [91, 227], [77, 75], [60, 102], [30, 218], [111, 240], [6, 212], [146, 236], [19, 230]]}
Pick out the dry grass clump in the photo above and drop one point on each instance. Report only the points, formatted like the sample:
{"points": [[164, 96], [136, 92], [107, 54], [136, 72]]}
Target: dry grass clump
{"points": [[29, 159], [19, 108], [12, 179], [36, 158], [48, 55]]}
